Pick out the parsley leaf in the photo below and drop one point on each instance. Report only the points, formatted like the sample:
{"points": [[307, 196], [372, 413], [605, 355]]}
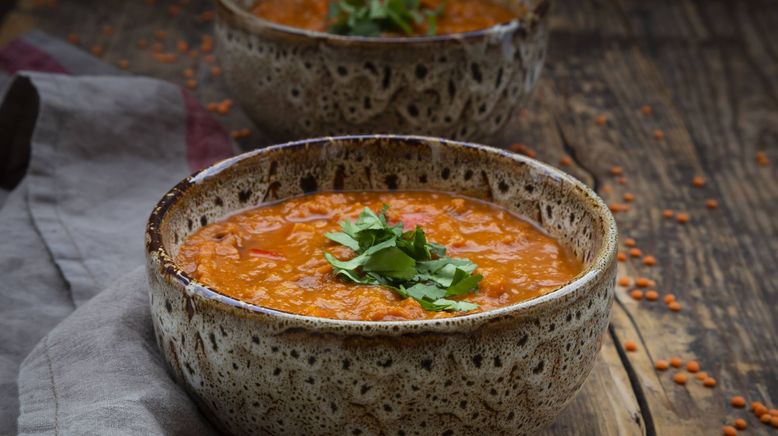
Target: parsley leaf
{"points": [[374, 17], [403, 261]]}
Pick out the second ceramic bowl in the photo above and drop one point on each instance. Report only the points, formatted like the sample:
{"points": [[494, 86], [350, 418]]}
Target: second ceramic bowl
{"points": [[299, 84]]}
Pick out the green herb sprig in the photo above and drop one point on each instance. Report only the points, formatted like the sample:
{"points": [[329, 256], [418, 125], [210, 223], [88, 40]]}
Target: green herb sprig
{"points": [[374, 17], [404, 262]]}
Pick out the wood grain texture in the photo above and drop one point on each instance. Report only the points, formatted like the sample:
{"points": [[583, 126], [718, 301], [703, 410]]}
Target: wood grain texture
{"points": [[709, 70]]}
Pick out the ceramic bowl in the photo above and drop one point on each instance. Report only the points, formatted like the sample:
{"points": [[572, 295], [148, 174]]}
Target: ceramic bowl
{"points": [[255, 370], [300, 84]]}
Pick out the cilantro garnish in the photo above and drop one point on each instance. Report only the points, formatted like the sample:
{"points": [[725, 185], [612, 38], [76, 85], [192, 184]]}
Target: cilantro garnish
{"points": [[374, 17], [404, 262]]}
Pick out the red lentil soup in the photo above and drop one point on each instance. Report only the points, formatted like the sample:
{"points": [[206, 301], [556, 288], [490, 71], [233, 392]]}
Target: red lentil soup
{"points": [[458, 15], [273, 255]]}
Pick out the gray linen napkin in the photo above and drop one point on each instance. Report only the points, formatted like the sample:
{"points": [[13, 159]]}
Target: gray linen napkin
{"points": [[95, 154]]}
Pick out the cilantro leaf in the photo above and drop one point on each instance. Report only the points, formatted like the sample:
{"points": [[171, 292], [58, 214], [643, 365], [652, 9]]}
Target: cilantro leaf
{"points": [[403, 261], [374, 17]]}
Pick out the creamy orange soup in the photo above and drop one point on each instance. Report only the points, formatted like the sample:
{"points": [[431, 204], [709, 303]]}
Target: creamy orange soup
{"points": [[273, 256], [458, 15]]}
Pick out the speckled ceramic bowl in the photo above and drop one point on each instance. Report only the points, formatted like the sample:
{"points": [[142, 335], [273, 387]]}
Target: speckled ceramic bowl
{"points": [[255, 370], [300, 84]]}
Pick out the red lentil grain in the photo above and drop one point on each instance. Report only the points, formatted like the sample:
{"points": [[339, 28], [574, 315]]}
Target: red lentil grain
{"points": [[182, 46], [711, 203], [624, 281], [676, 362], [216, 71], [741, 424], [669, 298], [709, 382], [693, 366], [667, 213], [729, 430], [72, 38], [630, 346], [520, 148], [682, 217], [629, 242], [659, 135], [680, 378], [702, 375], [636, 294], [649, 260], [107, 30], [123, 64], [646, 110], [766, 418], [210, 59], [601, 120], [160, 34], [674, 306], [661, 365], [191, 83], [621, 180], [761, 159], [635, 252], [617, 170], [652, 295], [629, 197], [642, 282], [189, 73], [621, 256], [698, 182], [566, 161], [142, 43], [738, 401], [774, 421], [97, 50]]}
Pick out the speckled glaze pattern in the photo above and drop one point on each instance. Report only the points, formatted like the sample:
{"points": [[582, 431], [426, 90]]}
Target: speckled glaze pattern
{"points": [[258, 371], [299, 84]]}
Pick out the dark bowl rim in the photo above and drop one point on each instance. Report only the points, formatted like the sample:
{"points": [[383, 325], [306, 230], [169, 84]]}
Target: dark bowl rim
{"points": [[538, 13], [155, 249]]}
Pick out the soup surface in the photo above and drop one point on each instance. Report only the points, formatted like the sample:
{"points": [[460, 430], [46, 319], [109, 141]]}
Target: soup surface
{"points": [[273, 256], [458, 15]]}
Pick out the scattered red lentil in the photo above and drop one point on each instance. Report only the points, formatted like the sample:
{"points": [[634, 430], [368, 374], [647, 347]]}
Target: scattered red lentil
{"points": [[182, 46], [649, 260], [624, 281], [621, 256], [630, 346], [618, 207], [617, 170], [741, 424], [142, 43], [97, 50], [224, 107], [659, 135], [566, 161], [661, 365], [206, 16], [160, 34], [738, 401], [108, 30], [242, 133], [72, 38], [676, 362], [693, 366], [601, 120], [702, 375], [709, 382], [516, 148], [621, 180], [157, 47], [674, 306], [193, 54], [761, 159], [636, 294], [212, 106], [773, 412], [210, 59], [646, 110], [698, 182], [216, 71], [652, 295], [206, 44], [165, 58], [680, 378], [682, 217], [669, 298], [189, 73], [766, 418], [642, 282], [729, 430], [774, 421], [629, 242], [667, 213], [711, 203], [635, 252], [191, 83], [123, 64], [607, 188], [629, 197]]}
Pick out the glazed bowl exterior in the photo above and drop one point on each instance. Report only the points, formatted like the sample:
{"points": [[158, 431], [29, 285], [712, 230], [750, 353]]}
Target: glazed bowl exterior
{"points": [[300, 84], [255, 370]]}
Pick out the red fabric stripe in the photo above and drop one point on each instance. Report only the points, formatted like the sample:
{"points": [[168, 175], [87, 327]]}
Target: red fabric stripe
{"points": [[19, 55], [206, 140]]}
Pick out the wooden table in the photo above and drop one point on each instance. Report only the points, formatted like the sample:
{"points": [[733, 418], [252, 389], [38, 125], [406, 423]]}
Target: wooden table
{"points": [[709, 71]]}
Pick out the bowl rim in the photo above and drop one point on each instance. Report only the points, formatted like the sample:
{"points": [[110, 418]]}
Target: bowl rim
{"points": [[539, 11], [156, 251]]}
